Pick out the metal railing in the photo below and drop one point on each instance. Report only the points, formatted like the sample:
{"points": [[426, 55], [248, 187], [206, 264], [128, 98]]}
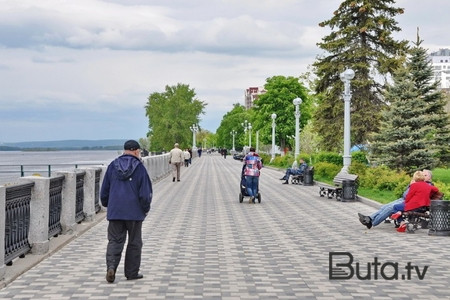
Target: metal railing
{"points": [[30, 169], [17, 223], [79, 214], [55, 206]]}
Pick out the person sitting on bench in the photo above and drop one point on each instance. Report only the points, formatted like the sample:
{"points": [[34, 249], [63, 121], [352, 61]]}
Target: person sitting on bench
{"points": [[418, 197], [294, 170], [387, 210]]}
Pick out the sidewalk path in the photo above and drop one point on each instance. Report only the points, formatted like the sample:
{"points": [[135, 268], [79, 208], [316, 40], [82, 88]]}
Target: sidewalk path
{"points": [[201, 243]]}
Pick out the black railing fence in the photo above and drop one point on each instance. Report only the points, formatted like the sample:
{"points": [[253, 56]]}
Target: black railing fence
{"points": [[79, 214], [54, 220], [17, 221], [98, 174]]}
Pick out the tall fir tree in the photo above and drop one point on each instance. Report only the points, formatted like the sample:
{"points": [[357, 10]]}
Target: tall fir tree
{"points": [[437, 120], [362, 40], [415, 127], [401, 143]]}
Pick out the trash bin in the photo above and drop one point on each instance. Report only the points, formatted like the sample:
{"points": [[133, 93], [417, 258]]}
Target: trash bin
{"points": [[348, 190], [308, 177], [439, 218]]}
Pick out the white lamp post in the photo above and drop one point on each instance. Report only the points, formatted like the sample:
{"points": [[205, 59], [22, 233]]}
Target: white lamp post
{"points": [[274, 116], [297, 102], [233, 133], [250, 135], [248, 126], [194, 129], [346, 76]]}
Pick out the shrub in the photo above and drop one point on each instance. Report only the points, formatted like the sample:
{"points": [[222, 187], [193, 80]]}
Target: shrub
{"points": [[329, 157], [265, 158], [360, 156], [326, 169], [283, 161], [358, 168]]}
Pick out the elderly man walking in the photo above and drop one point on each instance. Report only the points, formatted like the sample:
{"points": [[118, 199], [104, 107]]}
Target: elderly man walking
{"points": [[176, 157], [127, 193]]}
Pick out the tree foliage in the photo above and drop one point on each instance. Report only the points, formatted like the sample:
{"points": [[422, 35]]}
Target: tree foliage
{"points": [[436, 122], [414, 125], [361, 40], [281, 91], [231, 121], [170, 114]]}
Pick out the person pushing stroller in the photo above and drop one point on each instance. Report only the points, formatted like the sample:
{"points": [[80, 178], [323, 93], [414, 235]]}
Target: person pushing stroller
{"points": [[252, 167]]}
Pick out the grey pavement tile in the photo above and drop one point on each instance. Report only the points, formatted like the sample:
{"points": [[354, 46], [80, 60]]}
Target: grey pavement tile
{"points": [[201, 243]]}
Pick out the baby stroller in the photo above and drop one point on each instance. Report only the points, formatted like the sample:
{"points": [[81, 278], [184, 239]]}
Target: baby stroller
{"points": [[243, 186]]}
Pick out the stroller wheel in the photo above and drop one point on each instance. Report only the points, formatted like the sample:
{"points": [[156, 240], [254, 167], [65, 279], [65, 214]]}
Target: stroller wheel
{"points": [[241, 198], [259, 197]]}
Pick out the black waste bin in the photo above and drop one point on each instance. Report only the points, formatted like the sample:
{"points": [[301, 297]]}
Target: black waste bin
{"points": [[308, 177], [348, 190], [439, 218]]}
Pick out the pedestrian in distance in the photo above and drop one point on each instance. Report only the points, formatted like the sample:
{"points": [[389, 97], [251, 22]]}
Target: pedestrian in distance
{"points": [[176, 158], [127, 193], [187, 157], [253, 165]]}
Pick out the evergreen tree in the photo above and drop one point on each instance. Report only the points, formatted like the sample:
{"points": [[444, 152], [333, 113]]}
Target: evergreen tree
{"points": [[415, 128], [361, 40], [401, 143], [437, 121]]}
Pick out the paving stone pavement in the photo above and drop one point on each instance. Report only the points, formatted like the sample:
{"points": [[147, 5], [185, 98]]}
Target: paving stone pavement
{"points": [[201, 243]]}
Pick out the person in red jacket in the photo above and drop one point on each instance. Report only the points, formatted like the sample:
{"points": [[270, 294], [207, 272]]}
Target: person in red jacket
{"points": [[418, 197]]}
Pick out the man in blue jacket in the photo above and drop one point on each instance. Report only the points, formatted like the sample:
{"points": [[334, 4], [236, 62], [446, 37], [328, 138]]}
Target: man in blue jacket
{"points": [[127, 193]]}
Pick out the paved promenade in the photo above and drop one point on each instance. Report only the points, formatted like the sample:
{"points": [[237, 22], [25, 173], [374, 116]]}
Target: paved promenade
{"points": [[201, 243]]}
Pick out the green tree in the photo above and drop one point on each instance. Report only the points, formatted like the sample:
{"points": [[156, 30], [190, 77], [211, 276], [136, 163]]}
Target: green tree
{"points": [[361, 40], [232, 121], [401, 143], [280, 92], [170, 114], [436, 122]]}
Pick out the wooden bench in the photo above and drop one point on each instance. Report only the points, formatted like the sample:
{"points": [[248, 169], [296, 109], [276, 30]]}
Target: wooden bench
{"points": [[337, 191], [299, 178]]}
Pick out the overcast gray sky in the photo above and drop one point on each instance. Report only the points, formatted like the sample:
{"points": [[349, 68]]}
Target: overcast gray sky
{"points": [[83, 69]]}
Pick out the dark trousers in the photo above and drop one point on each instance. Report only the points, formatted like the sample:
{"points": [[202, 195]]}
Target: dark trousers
{"points": [[117, 234]]}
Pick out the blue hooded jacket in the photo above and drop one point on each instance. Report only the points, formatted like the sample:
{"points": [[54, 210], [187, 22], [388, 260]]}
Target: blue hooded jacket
{"points": [[127, 189]]}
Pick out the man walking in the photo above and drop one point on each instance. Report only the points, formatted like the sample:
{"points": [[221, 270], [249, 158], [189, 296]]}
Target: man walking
{"points": [[176, 157], [127, 194]]}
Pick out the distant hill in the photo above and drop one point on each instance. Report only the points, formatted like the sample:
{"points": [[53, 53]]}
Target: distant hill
{"points": [[64, 145]]}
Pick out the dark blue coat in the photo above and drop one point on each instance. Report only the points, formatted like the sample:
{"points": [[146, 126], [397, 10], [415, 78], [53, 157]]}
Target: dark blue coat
{"points": [[127, 189]]}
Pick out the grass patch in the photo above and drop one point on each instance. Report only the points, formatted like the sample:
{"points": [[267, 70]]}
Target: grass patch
{"points": [[441, 175], [379, 196]]}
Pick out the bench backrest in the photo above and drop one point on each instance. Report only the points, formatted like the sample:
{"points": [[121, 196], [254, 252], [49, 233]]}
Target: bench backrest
{"points": [[340, 177]]}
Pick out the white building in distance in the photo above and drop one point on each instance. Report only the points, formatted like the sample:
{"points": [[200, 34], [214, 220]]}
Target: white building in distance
{"points": [[441, 65]]}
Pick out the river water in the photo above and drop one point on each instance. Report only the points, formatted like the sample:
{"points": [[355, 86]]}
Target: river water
{"points": [[38, 162]]}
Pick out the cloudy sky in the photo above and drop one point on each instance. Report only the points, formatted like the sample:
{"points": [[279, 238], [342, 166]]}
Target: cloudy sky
{"points": [[83, 69]]}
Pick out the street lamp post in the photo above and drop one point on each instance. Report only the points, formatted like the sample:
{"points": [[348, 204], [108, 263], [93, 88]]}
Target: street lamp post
{"points": [[346, 76], [233, 133], [248, 126], [274, 116], [250, 135], [194, 129], [297, 102]]}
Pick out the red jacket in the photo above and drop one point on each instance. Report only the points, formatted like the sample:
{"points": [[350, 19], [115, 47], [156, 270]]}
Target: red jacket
{"points": [[419, 195]]}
